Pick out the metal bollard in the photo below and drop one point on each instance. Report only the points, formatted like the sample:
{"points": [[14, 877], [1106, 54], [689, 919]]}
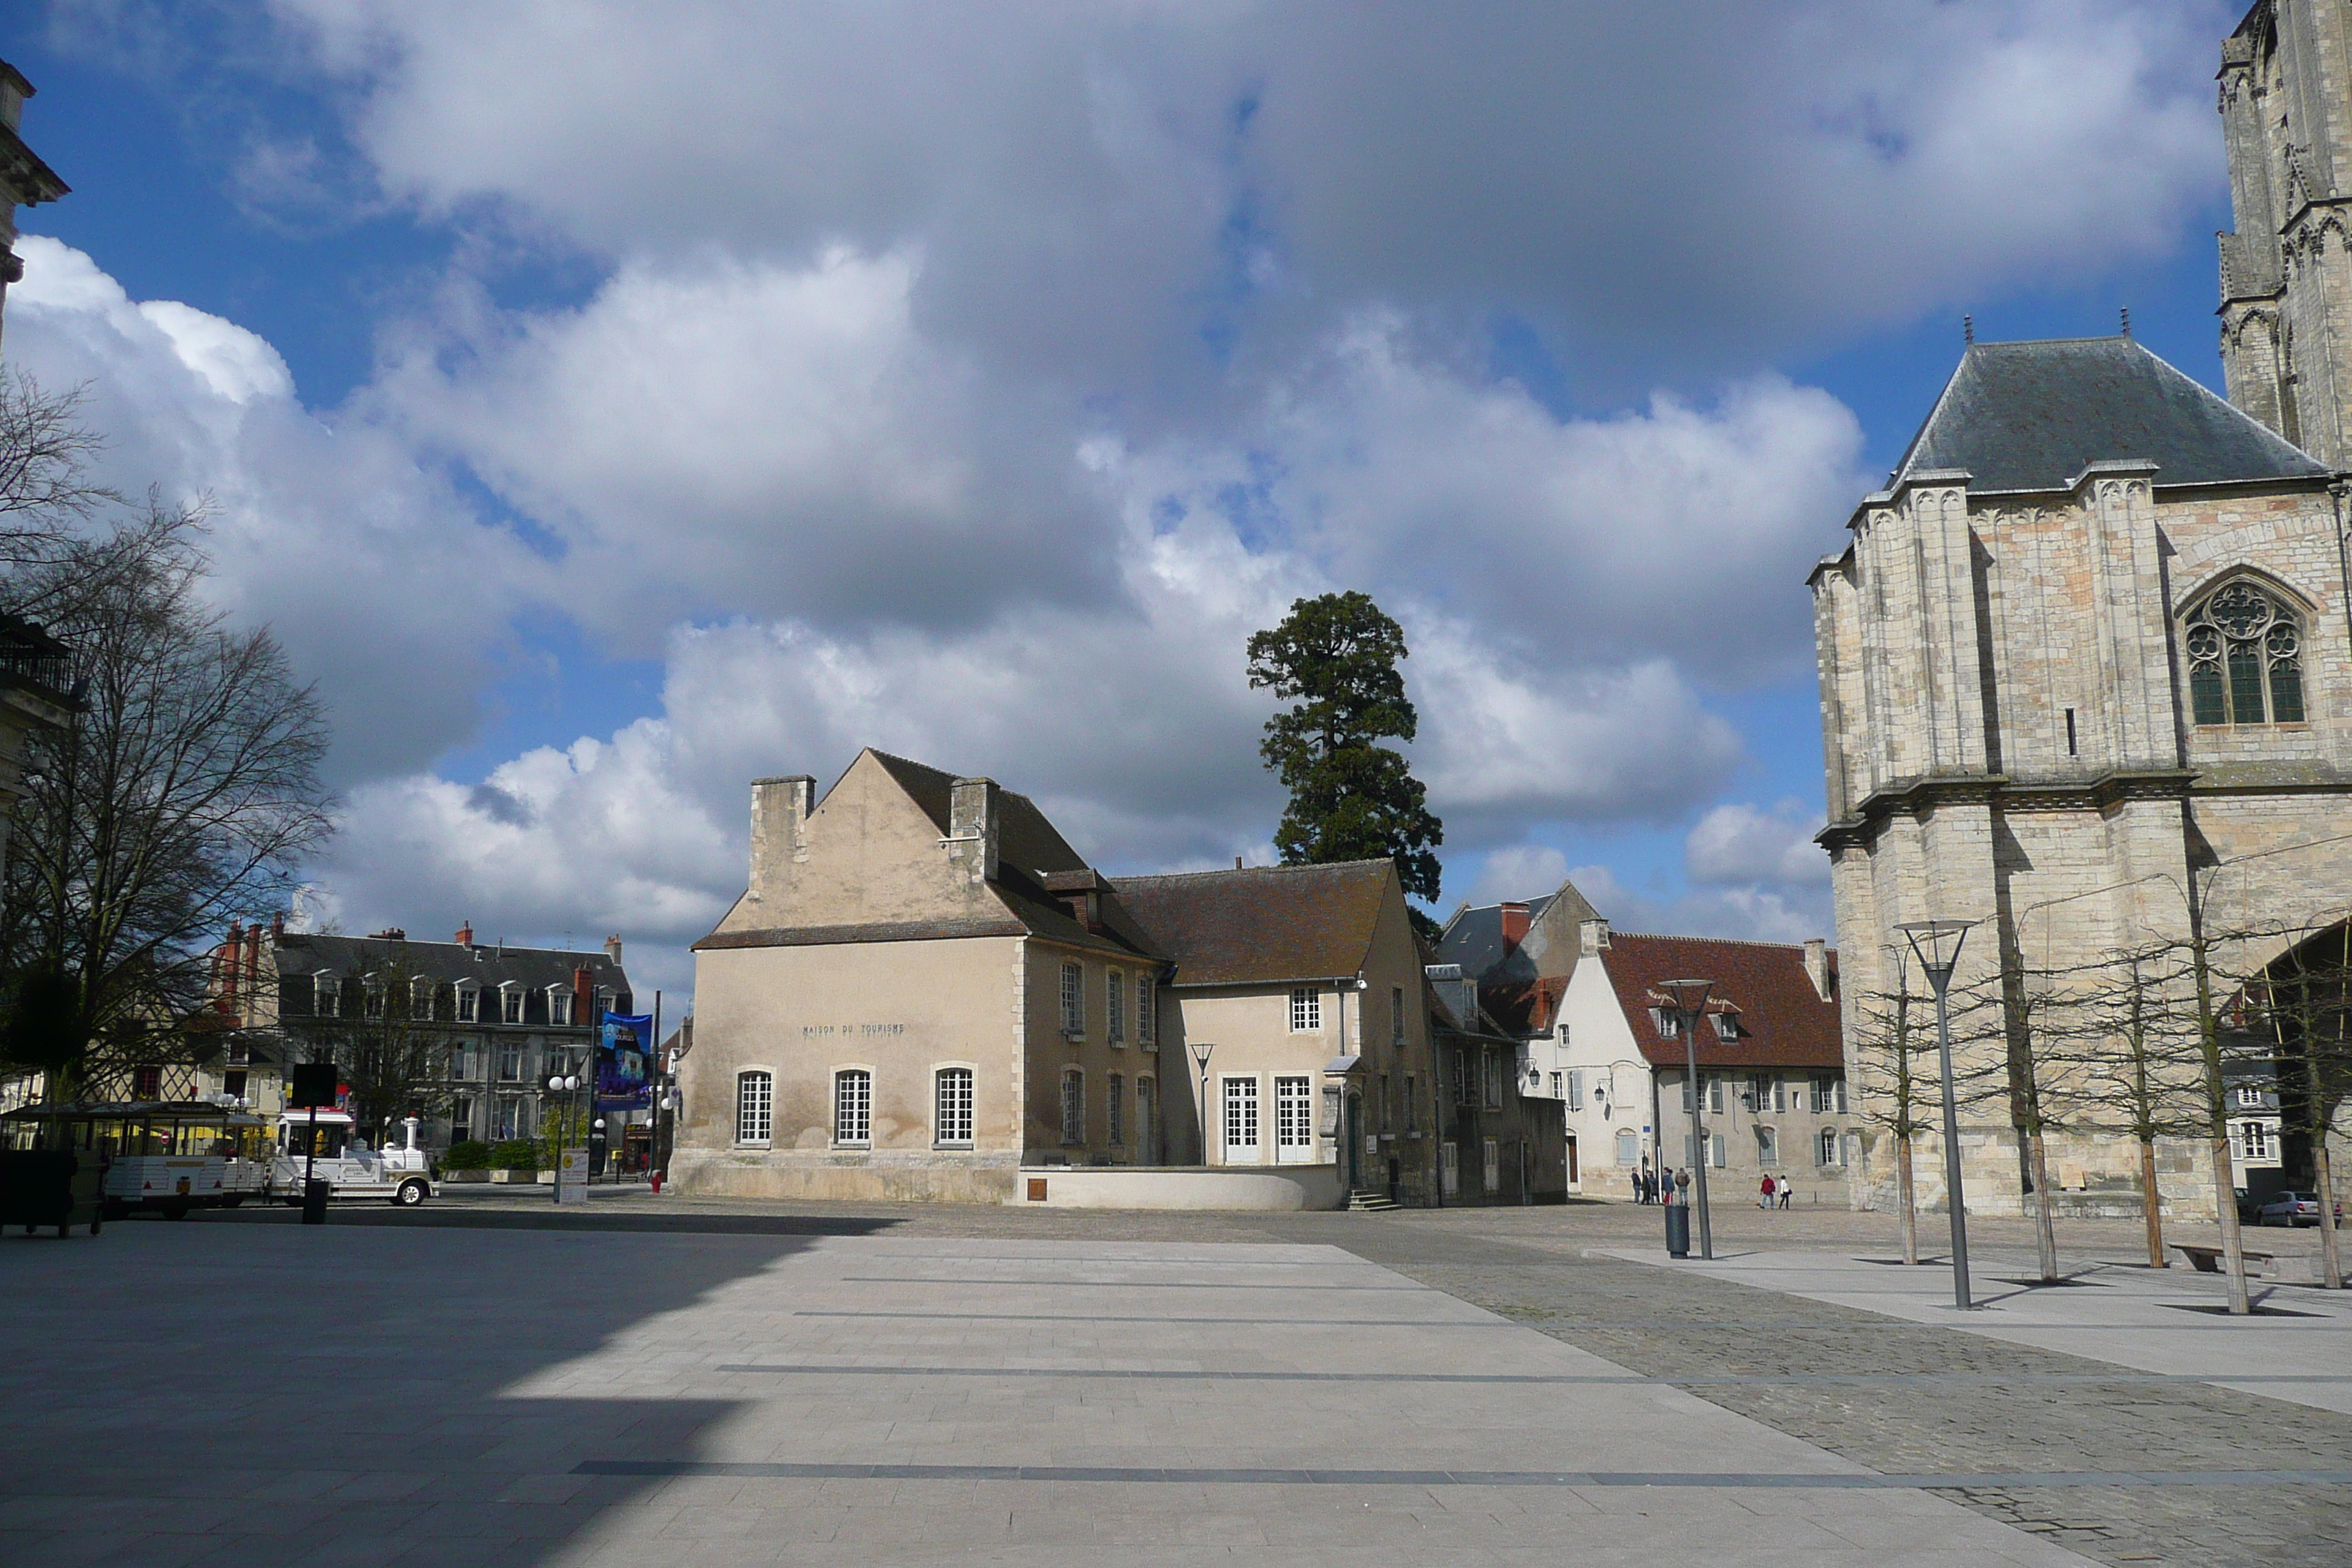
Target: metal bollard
{"points": [[1677, 1230]]}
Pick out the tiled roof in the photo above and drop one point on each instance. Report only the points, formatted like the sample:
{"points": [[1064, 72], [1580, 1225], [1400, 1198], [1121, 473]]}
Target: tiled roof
{"points": [[2032, 415], [1262, 925], [1783, 1021]]}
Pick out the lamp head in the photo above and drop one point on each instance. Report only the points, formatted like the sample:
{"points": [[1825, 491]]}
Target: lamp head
{"points": [[1201, 1049], [1937, 944], [1690, 995]]}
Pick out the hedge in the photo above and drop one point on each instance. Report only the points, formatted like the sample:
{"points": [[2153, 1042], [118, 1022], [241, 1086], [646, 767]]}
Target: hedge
{"points": [[473, 1154], [521, 1155]]}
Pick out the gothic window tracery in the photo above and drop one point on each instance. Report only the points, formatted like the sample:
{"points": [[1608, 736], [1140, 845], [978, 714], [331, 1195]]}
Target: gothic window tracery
{"points": [[2245, 657]]}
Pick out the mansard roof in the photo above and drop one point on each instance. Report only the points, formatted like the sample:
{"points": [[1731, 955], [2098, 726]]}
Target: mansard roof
{"points": [[489, 965], [1263, 925], [2033, 415]]}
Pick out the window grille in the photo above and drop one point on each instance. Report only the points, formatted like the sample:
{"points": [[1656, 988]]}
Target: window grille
{"points": [[2250, 1096], [420, 998], [559, 1006], [1115, 1005], [852, 1106], [1726, 1027], [1115, 1109], [1147, 1022], [1074, 1107], [1293, 1113], [754, 1094], [2245, 657], [372, 1001], [326, 992], [469, 1005], [509, 1063], [2253, 1140], [1074, 999], [1305, 1009], [1829, 1143], [511, 1006], [1241, 1114], [1824, 1096], [953, 1123]]}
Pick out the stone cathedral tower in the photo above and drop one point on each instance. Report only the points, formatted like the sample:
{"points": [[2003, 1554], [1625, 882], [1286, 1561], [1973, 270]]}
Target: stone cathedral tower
{"points": [[2286, 273]]}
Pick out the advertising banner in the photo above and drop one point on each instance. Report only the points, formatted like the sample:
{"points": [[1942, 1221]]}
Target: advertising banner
{"points": [[624, 1062]]}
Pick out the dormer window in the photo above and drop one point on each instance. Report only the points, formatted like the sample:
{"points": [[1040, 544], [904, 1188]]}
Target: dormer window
{"points": [[509, 1004], [1726, 1027], [559, 1006], [372, 1000], [469, 1004], [420, 998], [328, 992], [2245, 657]]}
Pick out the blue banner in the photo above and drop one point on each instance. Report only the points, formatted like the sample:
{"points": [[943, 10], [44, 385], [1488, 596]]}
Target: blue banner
{"points": [[625, 1062]]}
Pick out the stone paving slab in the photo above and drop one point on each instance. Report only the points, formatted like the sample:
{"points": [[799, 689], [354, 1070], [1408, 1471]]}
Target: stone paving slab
{"points": [[266, 1394]]}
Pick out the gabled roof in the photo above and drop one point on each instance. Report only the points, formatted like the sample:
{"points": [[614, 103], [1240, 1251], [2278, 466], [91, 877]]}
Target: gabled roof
{"points": [[1474, 938], [1262, 925], [1783, 1021], [2033, 415], [489, 964]]}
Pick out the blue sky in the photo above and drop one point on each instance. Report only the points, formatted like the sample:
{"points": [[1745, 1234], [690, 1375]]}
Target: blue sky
{"points": [[671, 396]]}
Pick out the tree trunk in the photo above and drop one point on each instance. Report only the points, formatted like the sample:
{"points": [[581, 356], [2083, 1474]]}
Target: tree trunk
{"points": [[1908, 1198], [2153, 1202], [2045, 1231], [2233, 1243], [2331, 1257]]}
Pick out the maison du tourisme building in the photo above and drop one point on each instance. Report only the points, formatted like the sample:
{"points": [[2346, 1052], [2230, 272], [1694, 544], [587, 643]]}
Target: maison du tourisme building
{"points": [[925, 993]]}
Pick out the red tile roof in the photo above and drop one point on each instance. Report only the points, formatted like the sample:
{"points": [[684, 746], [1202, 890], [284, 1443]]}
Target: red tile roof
{"points": [[1783, 1021]]}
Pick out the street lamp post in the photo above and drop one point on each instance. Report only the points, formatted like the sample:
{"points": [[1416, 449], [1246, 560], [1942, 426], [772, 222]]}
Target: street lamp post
{"points": [[1201, 1049], [563, 1084], [1937, 943], [1690, 1002]]}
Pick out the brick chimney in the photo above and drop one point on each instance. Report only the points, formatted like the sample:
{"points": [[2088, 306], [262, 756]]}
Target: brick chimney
{"points": [[252, 963], [779, 813], [466, 934], [584, 990], [224, 964], [1515, 925], [277, 930], [611, 950], [1593, 936], [1817, 965]]}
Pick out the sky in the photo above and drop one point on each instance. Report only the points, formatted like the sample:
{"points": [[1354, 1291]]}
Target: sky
{"points": [[607, 404]]}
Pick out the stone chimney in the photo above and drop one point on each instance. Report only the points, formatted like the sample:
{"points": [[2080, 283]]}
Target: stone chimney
{"points": [[1593, 936], [466, 934], [1817, 965], [972, 826], [277, 930], [612, 948], [1515, 925], [230, 968], [779, 813]]}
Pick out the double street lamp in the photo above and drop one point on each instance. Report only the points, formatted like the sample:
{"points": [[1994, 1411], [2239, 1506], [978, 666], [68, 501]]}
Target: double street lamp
{"points": [[567, 1085], [1937, 944], [1690, 1002]]}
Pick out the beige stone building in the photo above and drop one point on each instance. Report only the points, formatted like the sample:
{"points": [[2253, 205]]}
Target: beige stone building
{"points": [[926, 993]]}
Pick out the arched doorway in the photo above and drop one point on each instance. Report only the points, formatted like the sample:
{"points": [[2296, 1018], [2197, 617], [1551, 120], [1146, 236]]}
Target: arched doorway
{"points": [[2289, 1062]]}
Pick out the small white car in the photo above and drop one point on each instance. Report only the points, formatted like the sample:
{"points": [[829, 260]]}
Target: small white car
{"points": [[347, 1161]]}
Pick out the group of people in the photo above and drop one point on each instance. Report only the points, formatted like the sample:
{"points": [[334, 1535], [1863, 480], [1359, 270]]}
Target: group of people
{"points": [[1773, 1193], [1661, 1187]]}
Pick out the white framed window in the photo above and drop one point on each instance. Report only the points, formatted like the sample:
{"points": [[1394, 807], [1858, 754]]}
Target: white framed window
{"points": [[1559, 1086], [328, 990], [510, 1005], [852, 1106], [461, 1066], [1294, 1120], [2253, 1140], [1716, 1152], [509, 1064], [559, 1005], [1576, 1089], [420, 998], [1146, 1016], [1240, 1102], [1667, 1023], [1829, 1146], [1115, 1109], [372, 1000], [461, 1119], [951, 1102], [1074, 1107], [2250, 1096], [1396, 1017], [754, 1102], [1562, 1031], [1073, 1000], [1727, 1025], [1115, 1005], [1781, 1096], [469, 1004], [1306, 1010]]}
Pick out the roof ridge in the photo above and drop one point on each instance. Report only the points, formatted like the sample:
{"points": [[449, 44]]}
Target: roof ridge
{"points": [[1247, 870], [1725, 941]]}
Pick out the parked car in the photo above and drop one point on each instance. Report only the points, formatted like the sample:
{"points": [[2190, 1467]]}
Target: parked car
{"points": [[2250, 1207], [2292, 1208]]}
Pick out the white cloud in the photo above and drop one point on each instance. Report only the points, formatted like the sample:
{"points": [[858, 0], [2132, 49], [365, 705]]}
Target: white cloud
{"points": [[1520, 871], [1737, 843], [378, 582], [1747, 913]]}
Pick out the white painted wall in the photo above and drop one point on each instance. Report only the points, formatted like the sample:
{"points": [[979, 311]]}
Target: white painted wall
{"points": [[1601, 1045]]}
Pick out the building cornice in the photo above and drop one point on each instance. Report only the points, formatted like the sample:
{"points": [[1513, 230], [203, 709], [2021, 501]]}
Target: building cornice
{"points": [[1920, 796], [886, 931]]}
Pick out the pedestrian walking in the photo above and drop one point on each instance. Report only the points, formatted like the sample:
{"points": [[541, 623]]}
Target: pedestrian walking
{"points": [[1786, 1187], [1682, 1187], [1766, 1194], [1639, 1195]]}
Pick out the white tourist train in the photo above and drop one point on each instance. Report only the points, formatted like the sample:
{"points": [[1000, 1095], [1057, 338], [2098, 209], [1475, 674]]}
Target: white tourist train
{"points": [[346, 1162]]}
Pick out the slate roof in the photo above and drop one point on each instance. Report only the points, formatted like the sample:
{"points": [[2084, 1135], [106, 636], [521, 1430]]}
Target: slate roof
{"points": [[533, 968], [1783, 1022], [1262, 925], [2032, 415], [1474, 938]]}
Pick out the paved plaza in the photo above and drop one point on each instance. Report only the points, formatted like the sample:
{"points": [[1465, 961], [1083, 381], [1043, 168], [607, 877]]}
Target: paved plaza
{"points": [[491, 1382]]}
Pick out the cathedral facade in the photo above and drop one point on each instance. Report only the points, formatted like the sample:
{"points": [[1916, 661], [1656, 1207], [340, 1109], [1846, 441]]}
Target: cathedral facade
{"points": [[2086, 681]]}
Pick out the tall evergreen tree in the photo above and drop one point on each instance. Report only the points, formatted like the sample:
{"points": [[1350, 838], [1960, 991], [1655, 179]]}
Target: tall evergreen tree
{"points": [[1335, 659]]}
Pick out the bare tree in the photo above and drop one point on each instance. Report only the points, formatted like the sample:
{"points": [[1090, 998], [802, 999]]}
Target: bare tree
{"points": [[181, 800], [1890, 1091], [393, 1054]]}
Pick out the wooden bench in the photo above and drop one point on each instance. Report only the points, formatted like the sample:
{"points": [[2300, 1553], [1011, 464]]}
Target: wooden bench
{"points": [[2208, 1259]]}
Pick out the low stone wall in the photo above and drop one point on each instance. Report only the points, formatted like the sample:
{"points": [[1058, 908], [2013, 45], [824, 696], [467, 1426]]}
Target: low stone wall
{"points": [[1263, 1188], [795, 1174]]}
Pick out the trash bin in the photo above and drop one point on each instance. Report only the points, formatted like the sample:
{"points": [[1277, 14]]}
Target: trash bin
{"points": [[1677, 1230], [314, 1200]]}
